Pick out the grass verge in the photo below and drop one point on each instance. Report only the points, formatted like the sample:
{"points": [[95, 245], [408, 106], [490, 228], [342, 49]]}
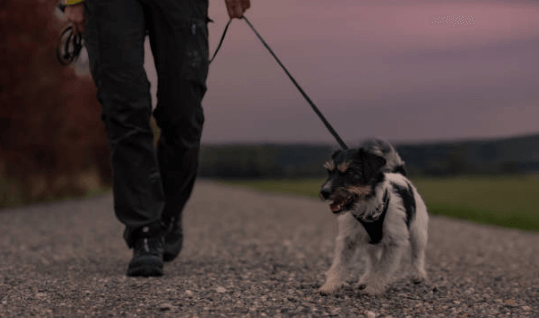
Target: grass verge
{"points": [[508, 201], [13, 194]]}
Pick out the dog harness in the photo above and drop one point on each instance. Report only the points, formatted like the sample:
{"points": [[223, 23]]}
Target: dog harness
{"points": [[374, 224]]}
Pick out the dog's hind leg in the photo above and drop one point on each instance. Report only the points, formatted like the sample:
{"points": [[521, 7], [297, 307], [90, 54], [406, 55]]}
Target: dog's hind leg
{"points": [[418, 243], [345, 246]]}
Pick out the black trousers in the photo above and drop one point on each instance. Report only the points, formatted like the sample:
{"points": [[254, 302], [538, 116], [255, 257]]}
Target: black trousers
{"points": [[151, 184]]}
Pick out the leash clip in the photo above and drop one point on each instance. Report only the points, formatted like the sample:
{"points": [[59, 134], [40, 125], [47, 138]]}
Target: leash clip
{"points": [[69, 44]]}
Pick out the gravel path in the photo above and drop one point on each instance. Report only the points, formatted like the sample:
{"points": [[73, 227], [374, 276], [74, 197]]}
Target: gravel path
{"points": [[248, 255]]}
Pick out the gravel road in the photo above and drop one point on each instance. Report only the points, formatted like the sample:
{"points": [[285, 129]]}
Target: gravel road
{"points": [[249, 254]]}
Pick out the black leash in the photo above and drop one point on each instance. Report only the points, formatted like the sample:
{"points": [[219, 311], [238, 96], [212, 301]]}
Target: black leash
{"points": [[221, 40], [313, 106]]}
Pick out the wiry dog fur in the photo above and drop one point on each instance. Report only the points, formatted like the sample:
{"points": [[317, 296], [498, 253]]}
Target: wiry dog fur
{"points": [[379, 211]]}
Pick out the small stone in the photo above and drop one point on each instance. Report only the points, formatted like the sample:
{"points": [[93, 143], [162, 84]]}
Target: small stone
{"points": [[165, 307], [371, 314], [510, 302], [188, 293], [220, 289], [526, 308]]}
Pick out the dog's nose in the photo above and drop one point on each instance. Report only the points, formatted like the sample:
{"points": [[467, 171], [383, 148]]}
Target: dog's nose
{"points": [[325, 193]]}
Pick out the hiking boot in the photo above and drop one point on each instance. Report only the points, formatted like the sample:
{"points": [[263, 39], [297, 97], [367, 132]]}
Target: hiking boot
{"points": [[147, 253], [173, 239]]}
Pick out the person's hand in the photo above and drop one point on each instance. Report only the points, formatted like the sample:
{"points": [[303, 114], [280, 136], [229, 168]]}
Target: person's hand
{"points": [[75, 14], [236, 8]]}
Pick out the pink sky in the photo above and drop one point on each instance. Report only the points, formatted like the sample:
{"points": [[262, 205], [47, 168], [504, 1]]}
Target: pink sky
{"points": [[375, 68]]}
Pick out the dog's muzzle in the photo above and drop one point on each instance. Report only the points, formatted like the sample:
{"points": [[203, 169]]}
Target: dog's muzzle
{"points": [[325, 194], [342, 200]]}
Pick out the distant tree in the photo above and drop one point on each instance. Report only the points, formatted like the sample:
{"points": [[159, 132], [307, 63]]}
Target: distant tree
{"points": [[456, 162], [508, 167]]}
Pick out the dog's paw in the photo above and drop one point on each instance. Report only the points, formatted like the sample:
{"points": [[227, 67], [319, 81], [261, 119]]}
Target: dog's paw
{"points": [[419, 277], [374, 290], [329, 288], [374, 287], [362, 284], [363, 281]]}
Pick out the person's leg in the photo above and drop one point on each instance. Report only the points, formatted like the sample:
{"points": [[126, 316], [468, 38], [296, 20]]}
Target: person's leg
{"points": [[179, 41], [114, 36]]}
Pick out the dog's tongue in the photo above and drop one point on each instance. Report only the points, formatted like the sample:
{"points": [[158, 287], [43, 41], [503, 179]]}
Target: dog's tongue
{"points": [[334, 206]]}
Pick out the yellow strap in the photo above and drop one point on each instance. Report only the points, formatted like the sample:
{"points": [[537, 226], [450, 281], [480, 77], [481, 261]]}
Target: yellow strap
{"points": [[72, 2]]}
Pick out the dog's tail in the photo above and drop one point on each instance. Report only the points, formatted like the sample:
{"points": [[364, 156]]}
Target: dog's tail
{"points": [[384, 149]]}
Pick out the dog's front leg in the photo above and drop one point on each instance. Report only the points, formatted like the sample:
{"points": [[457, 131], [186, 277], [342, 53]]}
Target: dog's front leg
{"points": [[336, 275], [345, 245], [385, 268], [370, 262]]}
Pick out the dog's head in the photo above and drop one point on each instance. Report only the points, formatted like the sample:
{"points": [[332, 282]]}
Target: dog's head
{"points": [[352, 175]]}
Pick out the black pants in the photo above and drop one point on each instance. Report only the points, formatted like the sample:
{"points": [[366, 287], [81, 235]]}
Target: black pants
{"points": [[150, 185]]}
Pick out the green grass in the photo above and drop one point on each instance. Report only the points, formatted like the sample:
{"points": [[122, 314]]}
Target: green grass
{"points": [[508, 201], [10, 193], [13, 194]]}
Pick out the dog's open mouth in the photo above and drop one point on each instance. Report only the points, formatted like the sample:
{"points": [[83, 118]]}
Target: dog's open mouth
{"points": [[342, 203]]}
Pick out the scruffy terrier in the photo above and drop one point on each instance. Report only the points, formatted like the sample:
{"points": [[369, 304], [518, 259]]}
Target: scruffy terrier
{"points": [[379, 211]]}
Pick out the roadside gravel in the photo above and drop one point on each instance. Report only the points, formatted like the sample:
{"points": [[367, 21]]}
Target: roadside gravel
{"points": [[249, 254]]}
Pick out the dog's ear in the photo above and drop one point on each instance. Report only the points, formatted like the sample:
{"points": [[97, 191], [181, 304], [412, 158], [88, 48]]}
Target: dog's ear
{"points": [[372, 162], [336, 153]]}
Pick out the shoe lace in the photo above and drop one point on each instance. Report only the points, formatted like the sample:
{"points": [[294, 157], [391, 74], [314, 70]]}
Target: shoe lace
{"points": [[146, 246]]}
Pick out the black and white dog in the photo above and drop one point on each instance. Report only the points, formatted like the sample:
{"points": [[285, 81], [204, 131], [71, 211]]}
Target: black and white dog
{"points": [[379, 210]]}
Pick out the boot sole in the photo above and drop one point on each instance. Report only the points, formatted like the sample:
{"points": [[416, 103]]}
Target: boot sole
{"points": [[146, 267], [169, 257]]}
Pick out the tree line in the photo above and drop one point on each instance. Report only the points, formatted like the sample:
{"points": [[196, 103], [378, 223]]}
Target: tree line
{"points": [[501, 156]]}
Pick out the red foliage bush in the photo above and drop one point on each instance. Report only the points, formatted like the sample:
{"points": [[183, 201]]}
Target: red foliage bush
{"points": [[50, 127]]}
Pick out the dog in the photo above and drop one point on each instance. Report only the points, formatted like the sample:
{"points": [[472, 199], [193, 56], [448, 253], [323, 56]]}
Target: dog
{"points": [[379, 210]]}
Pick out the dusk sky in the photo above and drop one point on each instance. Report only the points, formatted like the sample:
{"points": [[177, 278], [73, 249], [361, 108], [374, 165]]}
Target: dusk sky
{"points": [[393, 69]]}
